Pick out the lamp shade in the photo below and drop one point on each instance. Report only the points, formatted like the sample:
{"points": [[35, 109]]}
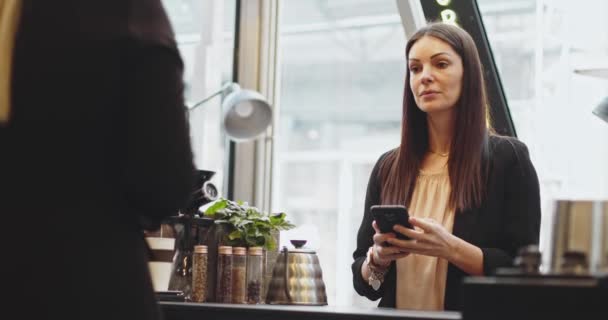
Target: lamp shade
{"points": [[602, 110], [246, 113]]}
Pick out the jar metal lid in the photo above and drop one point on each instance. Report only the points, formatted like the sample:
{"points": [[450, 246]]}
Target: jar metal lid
{"points": [[200, 249], [224, 250], [255, 251], [239, 251]]}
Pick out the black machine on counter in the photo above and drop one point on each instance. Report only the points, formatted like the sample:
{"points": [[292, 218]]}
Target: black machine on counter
{"points": [[574, 284], [188, 229], [574, 281]]}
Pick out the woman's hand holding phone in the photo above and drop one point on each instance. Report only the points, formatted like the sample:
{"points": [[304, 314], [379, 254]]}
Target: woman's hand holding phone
{"points": [[383, 255], [398, 234]]}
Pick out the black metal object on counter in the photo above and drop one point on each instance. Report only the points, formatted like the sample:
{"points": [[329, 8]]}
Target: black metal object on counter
{"points": [[203, 193], [525, 292], [535, 297], [191, 231], [189, 228]]}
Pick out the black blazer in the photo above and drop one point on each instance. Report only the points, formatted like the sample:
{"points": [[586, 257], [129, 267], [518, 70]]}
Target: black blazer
{"points": [[98, 142], [508, 219]]}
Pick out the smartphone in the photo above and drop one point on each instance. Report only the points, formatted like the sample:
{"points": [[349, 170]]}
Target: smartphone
{"points": [[387, 216]]}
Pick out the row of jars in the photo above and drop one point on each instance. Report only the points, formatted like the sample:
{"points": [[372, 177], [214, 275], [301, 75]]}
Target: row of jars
{"points": [[239, 274]]}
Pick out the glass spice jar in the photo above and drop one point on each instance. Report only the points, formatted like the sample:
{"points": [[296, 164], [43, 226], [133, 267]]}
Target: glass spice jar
{"points": [[223, 293], [199, 273], [255, 272], [239, 270]]}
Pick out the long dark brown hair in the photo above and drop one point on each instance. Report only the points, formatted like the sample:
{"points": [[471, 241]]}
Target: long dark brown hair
{"points": [[469, 145]]}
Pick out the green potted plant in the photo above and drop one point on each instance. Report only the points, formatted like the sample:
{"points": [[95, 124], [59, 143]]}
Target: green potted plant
{"points": [[247, 226]]}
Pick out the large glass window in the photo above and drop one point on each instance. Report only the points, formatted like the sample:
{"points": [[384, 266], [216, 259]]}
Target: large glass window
{"points": [[205, 34], [341, 84], [542, 49]]}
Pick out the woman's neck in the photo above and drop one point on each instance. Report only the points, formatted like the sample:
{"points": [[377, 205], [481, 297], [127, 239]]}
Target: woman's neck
{"points": [[441, 130]]}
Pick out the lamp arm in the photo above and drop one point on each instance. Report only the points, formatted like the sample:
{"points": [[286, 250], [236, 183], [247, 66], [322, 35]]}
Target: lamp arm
{"points": [[221, 90]]}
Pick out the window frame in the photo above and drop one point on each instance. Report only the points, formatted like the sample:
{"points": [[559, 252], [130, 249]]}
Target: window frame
{"points": [[469, 18]]}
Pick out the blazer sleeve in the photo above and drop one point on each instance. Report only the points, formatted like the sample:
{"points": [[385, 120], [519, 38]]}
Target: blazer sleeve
{"points": [[521, 220], [159, 170], [365, 235]]}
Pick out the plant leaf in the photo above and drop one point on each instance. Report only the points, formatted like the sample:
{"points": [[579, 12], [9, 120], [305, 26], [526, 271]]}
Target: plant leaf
{"points": [[219, 205], [236, 234], [270, 243], [248, 226], [277, 218]]}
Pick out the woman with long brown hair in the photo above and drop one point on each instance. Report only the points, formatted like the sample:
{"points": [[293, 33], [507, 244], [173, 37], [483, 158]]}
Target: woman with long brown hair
{"points": [[473, 196]]}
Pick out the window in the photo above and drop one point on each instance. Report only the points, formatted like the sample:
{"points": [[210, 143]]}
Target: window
{"points": [[342, 72], [539, 48], [205, 34]]}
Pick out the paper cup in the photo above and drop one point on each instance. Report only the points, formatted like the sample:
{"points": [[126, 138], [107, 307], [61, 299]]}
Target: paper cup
{"points": [[161, 262]]}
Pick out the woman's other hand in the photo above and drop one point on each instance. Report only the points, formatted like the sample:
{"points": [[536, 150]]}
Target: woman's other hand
{"points": [[429, 239], [434, 240], [383, 255]]}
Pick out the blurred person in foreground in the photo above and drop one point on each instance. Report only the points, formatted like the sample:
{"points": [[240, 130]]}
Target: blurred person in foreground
{"points": [[94, 149]]}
